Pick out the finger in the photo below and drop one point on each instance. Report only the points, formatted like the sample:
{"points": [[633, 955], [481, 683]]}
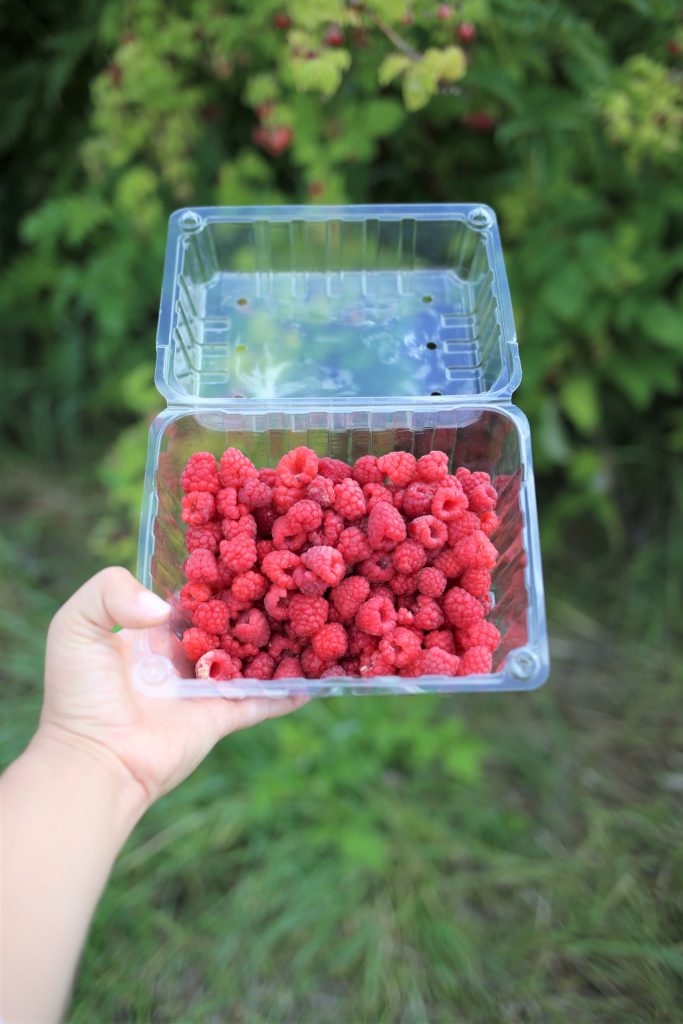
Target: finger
{"points": [[113, 597], [233, 715]]}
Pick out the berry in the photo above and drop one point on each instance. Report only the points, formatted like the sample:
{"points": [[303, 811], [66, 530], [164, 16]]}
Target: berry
{"points": [[201, 567], [252, 628], [250, 586], [197, 642], [198, 507], [326, 562], [280, 645], [211, 616], [444, 12], [428, 531], [449, 502], [378, 568], [282, 21], [268, 476], [334, 36], [476, 582], [400, 467], [438, 662], [461, 527], [330, 642], [489, 522], [332, 529], [377, 616], [354, 545], [440, 638], [276, 603], [417, 499], [279, 567], [245, 525], [470, 480], [483, 634], [448, 563], [311, 663], [386, 527], [366, 471], [374, 493], [409, 556], [348, 499], [466, 33], [193, 594], [304, 516], [297, 468], [264, 518], [263, 548], [308, 583], [348, 596], [426, 614], [260, 667], [255, 494], [200, 473], [375, 665], [227, 505], [236, 468], [206, 536], [461, 609], [307, 614], [239, 554], [332, 672], [321, 490], [334, 469], [475, 552], [403, 583], [289, 668], [286, 535], [431, 581], [284, 497], [399, 647], [218, 665], [475, 661], [483, 499], [433, 467]]}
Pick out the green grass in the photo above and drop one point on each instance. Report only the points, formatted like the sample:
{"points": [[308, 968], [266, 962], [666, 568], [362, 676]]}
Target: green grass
{"points": [[512, 859]]}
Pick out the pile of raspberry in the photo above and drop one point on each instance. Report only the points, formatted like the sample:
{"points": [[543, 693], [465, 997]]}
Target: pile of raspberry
{"points": [[320, 569]]}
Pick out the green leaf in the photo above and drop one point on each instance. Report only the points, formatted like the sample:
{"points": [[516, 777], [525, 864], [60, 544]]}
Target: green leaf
{"points": [[663, 323], [579, 398], [391, 67]]}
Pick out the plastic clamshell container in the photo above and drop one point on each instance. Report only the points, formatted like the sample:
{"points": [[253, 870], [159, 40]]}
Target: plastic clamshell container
{"points": [[352, 330]]}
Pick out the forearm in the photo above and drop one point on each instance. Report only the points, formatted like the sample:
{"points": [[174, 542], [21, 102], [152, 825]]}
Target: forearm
{"points": [[66, 811]]}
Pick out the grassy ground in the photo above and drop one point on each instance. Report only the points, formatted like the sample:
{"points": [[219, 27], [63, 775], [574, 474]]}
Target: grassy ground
{"points": [[512, 859]]}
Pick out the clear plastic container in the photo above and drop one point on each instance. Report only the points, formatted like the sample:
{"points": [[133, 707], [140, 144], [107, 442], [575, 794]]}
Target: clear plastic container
{"points": [[350, 330]]}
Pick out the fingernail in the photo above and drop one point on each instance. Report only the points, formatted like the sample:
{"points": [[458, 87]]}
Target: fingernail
{"points": [[152, 604]]}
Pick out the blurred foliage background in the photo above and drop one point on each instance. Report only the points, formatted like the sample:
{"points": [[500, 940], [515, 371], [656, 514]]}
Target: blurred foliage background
{"points": [[508, 859]]}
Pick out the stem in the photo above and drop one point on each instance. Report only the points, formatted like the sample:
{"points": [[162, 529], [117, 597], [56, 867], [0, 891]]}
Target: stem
{"points": [[393, 37]]}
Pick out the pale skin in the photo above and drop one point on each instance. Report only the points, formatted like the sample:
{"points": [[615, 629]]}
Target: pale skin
{"points": [[102, 754]]}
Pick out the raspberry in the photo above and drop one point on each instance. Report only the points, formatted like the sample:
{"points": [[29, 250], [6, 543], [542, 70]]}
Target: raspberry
{"points": [[321, 490], [200, 473], [326, 563], [476, 582], [227, 505], [400, 467], [489, 522], [471, 480], [428, 531], [239, 554], [351, 666], [448, 563], [252, 628], [297, 468], [287, 536], [376, 492], [432, 467], [332, 672], [482, 499], [487, 605], [348, 499], [279, 567], [280, 645], [307, 614], [440, 638], [218, 665], [375, 665], [236, 468], [476, 552], [426, 614], [235, 607], [276, 603], [206, 536], [378, 568], [366, 471], [386, 527], [461, 609], [289, 668], [431, 581], [437, 662], [264, 519], [268, 476], [260, 667], [311, 663], [361, 643], [462, 526], [197, 507], [305, 516], [308, 583], [403, 583], [449, 502], [397, 496], [475, 661], [245, 525], [193, 594], [211, 616], [197, 642], [254, 493], [330, 531], [377, 616], [409, 556], [235, 649], [417, 500], [201, 567], [334, 469], [399, 647], [354, 545], [483, 634], [349, 595], [284, 497], [224, 577], [404, 617], [250, 586], [330, 642]]}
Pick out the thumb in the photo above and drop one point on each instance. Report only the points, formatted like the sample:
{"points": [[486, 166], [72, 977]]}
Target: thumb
{"points": [[113, 597]]}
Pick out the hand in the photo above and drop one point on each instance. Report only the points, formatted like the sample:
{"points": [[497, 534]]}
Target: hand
{"points": [[91, 703]]}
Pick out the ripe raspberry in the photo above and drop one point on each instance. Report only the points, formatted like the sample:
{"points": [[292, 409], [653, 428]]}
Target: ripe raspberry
{"points": [[218, 665], [386, 527], [417, 500], [351, 666], [483, 634], [482, 499], [349, 595], [409, 556], [252, 628], [431, 581], [373, 493], [224, 577], [198, 507], [326, 563], [250, 586], [377, 616], [289, 668], [440, 638], [238, 554], [433, 467], [399, 647], [354, 545], [348, 499], [397, 496], [279, 567], [334, 469], [305, 516], [280, 645], [449, 502], [193, 594], [489, 522], [263, 548], [268, 476], [448, 563], [308, 583], [234, 605], [307, 614], [461, 527], [476, 552], [476, 582], [260, 667], [211, 616], [254, 493], [361, 644], [200, 473], [287, 536], [475, 661], [426, 614], [321, 490], [236, 468], [200, 567], [276, 603], [227, 504], [487, 605], [471, 480], [334, 671], [366, 471], [245, 525], [403, 583], [375, 665], [428, 531], [284, 497], [311, 663], [206, 536], [330, 531], [378, 568], [400, 467], [461, 609], [297, 468], [197, 642], [404, 617], [330, 642], [264, 518], [437, 662]]}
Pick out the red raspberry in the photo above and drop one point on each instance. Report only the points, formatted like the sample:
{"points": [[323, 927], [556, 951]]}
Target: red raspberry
{"points": [[197, 642], [307, 614], [298, 467], [397, 496], [218, 665], [276, 603], [373, 493], [268, 476], [289, 668], [279, 567], [400, 467], [432, 467], [201, 567], [417, 500], [235, 649], [351, 666], [409, 556], [386, 527], [330, 642], [200, 473], [326, 563], [227, 505], [471, 480], [440, 638], [286, 534], [366, 471], [431, 581], [375, 665], [487, 605], [311, 663], [348, 499], [308, 583], [334, 469], [238, 554], [250, 586], [426, 614], [489, 522], [378, 568], [280, 645], [377, 616], [224, 577], [476, 552], [403, 583], [255, 493], [284, 497], [245, 525], [399, 647], [193, 594], [252, 628], [211, 616], [206, 536], [475, 661], [236, 468], [428, 531], [354, 545], [263, 548], [349, 595], [264, 519], [330, 531], [197, 507], [461, 527], [361, 644], [235, 607], [483, 634], [461, 609], [449, 502], [437, 662], [448, 563], [305, 516], [482, 499], [332, 672], [260, 667], [404, 617], [321, 490], [476, 582]]}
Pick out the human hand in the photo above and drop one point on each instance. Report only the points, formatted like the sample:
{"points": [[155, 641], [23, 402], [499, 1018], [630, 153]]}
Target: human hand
{"points": [[91, 703]]}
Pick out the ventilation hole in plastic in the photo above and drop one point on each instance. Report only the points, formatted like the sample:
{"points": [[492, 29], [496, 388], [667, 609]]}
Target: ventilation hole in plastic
{"points": [[190, 221], [436, 392], [426, 298], [480, 218], [242, 301], [431, 344], [523, 663]]}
